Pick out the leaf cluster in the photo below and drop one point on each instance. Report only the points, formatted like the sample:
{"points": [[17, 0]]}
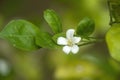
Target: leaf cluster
{"points": [[24, 35]]}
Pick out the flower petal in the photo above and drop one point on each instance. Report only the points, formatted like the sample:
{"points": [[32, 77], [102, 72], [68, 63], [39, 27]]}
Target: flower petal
{"points": [[70, 33], [67, 49], [75, 49], [62, 41], [76, 39]]}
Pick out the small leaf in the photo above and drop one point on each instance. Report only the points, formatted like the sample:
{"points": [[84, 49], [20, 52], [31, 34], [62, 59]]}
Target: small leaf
{"points": [[55, 37], [85, 27], [53, 20], [21, 34], [113, 41], [45, 40]]}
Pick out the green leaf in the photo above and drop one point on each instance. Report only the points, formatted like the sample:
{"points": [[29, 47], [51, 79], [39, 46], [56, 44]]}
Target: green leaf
{"points": [[114, 8], [53, 20], [45, 40], [21, 34], [113, 41], [85, 27], [55, 37], [116, 11]]}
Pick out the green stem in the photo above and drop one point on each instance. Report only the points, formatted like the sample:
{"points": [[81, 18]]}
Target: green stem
{"points": [[93, 39], [90, 41], [87, 43], [110, 12]]}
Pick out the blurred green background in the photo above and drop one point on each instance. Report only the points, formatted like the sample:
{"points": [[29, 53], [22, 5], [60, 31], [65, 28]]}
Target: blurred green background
{"points": [[93, 62]]}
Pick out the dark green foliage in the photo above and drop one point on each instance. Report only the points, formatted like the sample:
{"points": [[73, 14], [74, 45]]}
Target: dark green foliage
{"points": [[53, 20], [85, 27]]}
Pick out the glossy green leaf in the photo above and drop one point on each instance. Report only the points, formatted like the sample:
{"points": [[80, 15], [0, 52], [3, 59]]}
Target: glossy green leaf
{"points": [[45, 40], [21, 34], [113, 41], [85, 27], [55, 37], [53, 20]]}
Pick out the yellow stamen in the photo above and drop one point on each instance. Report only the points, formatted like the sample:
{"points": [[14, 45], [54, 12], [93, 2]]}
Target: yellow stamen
{"points": [[70, 43]]}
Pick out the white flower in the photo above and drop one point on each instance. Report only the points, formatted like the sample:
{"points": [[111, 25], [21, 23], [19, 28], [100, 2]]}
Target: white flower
{"points": [[70, 42]]}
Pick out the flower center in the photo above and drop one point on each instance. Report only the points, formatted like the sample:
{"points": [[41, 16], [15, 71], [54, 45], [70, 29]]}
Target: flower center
{"points": [[70, 43]]}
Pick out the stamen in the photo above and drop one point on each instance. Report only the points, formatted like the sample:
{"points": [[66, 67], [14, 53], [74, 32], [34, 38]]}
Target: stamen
{"points": [[70, 43]]}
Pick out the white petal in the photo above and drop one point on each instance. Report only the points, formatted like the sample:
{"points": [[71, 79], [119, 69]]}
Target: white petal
{"points": [[67, 49], [75, 49], [70, 33], [62, 41], [76, 39]]}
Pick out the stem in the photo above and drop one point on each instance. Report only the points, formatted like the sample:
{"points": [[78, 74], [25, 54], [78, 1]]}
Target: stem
{"points": [[111, 21], [90, 41], [87, 43], [93, 39]]}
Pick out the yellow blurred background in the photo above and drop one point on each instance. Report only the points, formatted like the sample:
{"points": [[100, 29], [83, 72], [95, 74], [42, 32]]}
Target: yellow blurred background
{"points": [[93, 62]]}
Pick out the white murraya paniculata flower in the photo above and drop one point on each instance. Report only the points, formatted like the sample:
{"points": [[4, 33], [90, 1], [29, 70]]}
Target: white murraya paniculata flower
{"points": [[70, 42]]}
